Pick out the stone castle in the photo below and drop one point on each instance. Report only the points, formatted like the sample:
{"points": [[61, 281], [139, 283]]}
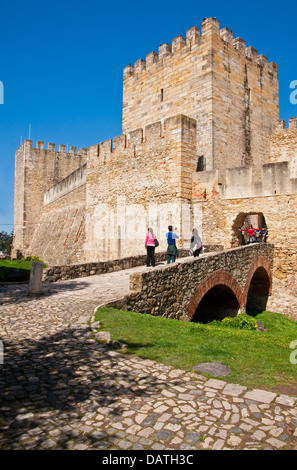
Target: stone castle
{"points": [[202, 146]]}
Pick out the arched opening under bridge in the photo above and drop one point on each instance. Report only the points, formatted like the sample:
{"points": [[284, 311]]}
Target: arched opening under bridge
{"points": [[258, 292], [219, 302]]}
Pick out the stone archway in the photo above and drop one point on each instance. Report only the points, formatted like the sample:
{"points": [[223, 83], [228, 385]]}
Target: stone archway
{"points": [[258, 286], [219, 295], [257, 219]]}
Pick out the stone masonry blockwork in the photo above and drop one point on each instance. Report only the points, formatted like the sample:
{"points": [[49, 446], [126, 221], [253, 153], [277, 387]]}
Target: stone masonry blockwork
{"points": [[176, 290]]}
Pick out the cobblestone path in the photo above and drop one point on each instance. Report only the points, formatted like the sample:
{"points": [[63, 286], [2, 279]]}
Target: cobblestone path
{"points": [[62, 390]]}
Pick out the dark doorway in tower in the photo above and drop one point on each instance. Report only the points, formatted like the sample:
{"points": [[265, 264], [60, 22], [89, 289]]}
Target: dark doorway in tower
{"points": [[244, 220], [219, 302], [258, 292]]}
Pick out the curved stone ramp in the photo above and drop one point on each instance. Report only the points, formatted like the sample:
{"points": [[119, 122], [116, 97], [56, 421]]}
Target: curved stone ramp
{"points": [[63, 390]]}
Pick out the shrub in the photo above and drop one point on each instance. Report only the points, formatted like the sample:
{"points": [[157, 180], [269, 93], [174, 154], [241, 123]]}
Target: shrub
{"points": [[242, 321], [32, 258]]}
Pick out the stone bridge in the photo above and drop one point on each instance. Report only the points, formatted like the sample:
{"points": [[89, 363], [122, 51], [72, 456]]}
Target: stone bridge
{"points": [[210, 287]]}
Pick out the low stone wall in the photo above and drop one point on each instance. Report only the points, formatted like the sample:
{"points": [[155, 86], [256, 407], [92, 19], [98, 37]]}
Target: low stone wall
{"points": [[60, 273]]}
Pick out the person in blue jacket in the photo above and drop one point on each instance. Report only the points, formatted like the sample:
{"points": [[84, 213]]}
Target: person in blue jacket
{"points": [[172, 251]]}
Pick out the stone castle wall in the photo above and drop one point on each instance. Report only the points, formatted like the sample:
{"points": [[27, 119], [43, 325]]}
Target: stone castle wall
{"points": [[81, 223], [230, 90], [142, 182], [60, 233], [284, 145], [36, 171]]}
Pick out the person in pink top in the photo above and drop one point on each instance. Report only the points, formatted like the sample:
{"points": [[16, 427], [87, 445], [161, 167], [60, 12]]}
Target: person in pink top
{"points": [[150, 247]]}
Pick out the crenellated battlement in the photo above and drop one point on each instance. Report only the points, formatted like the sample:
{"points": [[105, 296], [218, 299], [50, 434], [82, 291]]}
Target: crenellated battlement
{"points": [[51, 147], [292, 125], [284, 145], [131, 143], [195, 38]]}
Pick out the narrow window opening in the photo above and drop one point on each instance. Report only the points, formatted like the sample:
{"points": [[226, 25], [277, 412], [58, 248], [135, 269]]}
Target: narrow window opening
{"points": [[201, 164], [249, 95], [162, 94]]}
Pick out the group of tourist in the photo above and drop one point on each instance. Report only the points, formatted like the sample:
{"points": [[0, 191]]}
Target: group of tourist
{"points": [[172, 252], [255, 235]]}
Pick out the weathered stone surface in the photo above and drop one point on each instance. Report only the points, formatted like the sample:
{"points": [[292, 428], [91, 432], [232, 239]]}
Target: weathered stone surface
{"points": [[234, 390], [35, 281], [103, 336], [213, 368], [261, 396], [176, 290], [214, 383]]}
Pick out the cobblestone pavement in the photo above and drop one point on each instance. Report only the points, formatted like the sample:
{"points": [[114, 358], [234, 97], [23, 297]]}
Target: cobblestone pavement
{"points": [[62, 390]]}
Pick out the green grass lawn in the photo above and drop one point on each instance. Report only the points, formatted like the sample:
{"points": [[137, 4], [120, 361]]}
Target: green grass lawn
{"points": [[7, 264], [257, 359], [10, 266]]}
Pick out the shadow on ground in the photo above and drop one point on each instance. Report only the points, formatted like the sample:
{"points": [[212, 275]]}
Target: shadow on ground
{"points": [[50, 385], [19, 293]]}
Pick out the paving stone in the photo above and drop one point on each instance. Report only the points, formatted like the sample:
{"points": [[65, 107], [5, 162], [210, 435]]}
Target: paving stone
{"points": [[213, 368], [219, 444], [276, 443], [258, 435], [214, 383], [234, 390], [260, 396], [234, 441], [285, 400], [162, 435]]}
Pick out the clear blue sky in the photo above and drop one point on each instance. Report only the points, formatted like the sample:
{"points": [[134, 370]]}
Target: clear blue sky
{"points": [[61, 64]]}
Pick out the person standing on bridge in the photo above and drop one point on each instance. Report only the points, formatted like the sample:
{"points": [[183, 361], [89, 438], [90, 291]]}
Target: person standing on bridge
{"points": [[251, 233], [196, 244], [172, 251], [150, 247]]}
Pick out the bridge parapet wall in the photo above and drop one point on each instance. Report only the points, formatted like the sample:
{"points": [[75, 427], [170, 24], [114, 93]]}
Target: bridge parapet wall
{"points": [[173, 290]]}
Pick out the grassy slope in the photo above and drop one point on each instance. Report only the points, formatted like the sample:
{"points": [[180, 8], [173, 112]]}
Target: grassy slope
{"points": [[7, 264], [257, 359], [21, 268]]}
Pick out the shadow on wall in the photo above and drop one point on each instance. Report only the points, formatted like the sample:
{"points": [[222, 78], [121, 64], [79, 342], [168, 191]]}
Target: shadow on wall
{"points": [[256, 219]]}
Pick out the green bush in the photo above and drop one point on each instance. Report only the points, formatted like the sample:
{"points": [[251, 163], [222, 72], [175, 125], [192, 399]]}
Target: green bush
{"points": [[32, 258], [242, 321]]}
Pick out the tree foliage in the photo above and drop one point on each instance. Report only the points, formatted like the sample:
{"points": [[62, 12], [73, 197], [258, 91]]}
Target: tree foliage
{"points": [[5, 242]]}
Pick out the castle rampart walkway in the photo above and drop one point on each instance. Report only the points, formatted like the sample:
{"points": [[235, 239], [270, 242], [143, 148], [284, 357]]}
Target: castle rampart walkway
{"points": [[62, 390]]}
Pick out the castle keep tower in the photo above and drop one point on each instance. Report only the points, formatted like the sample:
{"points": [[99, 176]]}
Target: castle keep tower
{"points": [[230, 90]]}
